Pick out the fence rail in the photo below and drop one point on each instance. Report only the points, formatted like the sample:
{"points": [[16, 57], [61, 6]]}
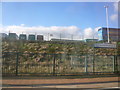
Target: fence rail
{"points": [[57, 64]]}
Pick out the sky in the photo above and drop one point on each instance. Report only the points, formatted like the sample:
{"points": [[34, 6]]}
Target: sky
{"points": [[77, 19]]}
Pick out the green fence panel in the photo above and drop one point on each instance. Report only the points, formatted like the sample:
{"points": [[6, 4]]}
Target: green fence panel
{"points": [[16, 63]]}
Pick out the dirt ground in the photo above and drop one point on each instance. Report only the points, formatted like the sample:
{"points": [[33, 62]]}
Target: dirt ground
{"points": [[58, 81], [100, 82]]}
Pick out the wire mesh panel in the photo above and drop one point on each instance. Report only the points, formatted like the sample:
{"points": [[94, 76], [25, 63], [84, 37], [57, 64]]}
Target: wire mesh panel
{"points": [[89, 63], [56, 64], [35, 63], [104, 63], [117, 63], [69, 64], [9, 63]]}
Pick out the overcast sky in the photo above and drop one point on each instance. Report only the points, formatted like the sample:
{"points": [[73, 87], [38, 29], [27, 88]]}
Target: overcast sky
{"points": [[77, 19]]}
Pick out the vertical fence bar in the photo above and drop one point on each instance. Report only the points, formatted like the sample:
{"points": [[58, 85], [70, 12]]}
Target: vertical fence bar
{"points": [[17, 63], [93, 65], [71, 61], [113, 63], [86, 68], [60, 56], [53, 64], [116, 65]]}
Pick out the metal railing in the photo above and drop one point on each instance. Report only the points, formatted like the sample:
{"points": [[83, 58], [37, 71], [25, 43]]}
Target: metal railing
{"points": [[16, 63]]}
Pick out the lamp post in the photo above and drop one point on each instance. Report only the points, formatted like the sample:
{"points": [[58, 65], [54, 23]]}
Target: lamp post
{"points": [[106, 7]]}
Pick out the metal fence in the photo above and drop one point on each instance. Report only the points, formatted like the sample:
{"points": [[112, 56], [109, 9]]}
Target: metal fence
{"points": [[14, 63]]}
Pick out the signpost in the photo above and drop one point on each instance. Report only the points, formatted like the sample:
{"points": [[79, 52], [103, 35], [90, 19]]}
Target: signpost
{"points": [[104, 45]]}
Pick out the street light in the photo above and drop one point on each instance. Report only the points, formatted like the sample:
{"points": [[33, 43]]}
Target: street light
{"points": [[107, 23]]}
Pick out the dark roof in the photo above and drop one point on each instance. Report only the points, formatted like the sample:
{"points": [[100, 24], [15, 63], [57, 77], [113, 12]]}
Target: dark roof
{"points": [[109, 28], [22, 34]]}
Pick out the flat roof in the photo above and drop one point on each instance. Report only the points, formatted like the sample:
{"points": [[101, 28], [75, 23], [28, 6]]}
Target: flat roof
{"points": [[109, 28]]}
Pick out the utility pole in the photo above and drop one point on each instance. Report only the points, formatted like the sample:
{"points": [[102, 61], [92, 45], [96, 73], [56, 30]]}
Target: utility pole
{"points": [[93, 34], [9, 32], [82, 36], [48, 36], [72, 37], [35, 36], [60, 36], [106, 7]]}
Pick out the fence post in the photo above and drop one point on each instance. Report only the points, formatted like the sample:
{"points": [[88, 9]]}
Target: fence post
{"points": [[71, 61], [93, 63], [93, 60], [53, 64], [17, 63], [118, 64], [114, 63], [60, 56], [86, 66]]}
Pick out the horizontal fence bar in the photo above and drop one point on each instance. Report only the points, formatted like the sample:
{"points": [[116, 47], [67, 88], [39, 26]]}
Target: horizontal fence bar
{"points": [[58, 54]]}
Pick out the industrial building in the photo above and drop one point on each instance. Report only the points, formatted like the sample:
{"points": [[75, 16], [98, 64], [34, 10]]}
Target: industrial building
{"points": [[91, 40], [66, 40], [31, 37], [3, 35], [12, 36], [114, 34], [22, 37], [40, 38], [55, 39]]}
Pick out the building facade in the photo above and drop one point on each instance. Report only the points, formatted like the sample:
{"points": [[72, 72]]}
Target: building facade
{"points": [[31, 37], [22, 37], [114, 34], [40, 38], [3, 35], [13, 36], [91, 40]]}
